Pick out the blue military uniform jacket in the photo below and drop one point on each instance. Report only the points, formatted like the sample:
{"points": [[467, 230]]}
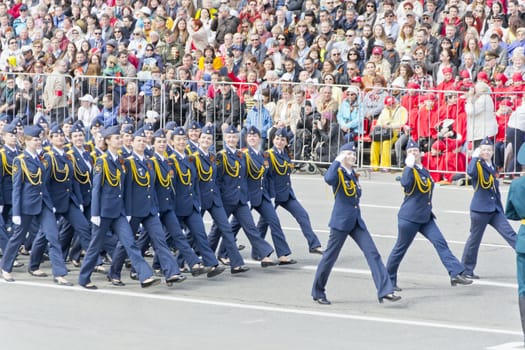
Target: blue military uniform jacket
{"points": [[83, 166], [7, 156], [164, 187], [515, 210], [258, 180], [417, 205], [186, 184], [281, 167], [107, 193], [140, 197], [346, 213], [125, 153], [191, 147], [207, 171], [29, 198], [487, 197], [62, 186], [231, 177]]}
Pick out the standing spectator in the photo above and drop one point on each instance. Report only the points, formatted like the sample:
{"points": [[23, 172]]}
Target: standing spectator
{"points": [[56, 92], [481, 121]]}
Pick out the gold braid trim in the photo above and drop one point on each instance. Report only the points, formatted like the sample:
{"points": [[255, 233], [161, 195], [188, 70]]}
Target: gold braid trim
{"points": [[56, 171], [82, 178], [251, 167], [280, 169], [349, 190], [185, 178], [142, 181], [482, 181], [423, 187], [233, 171], [113, 180], [6, 167], [163, 181], [34, 179], [204, 176]]}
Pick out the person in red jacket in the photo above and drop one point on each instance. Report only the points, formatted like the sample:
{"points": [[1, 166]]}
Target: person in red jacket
{"points": [[448, 83], [427, 118], [517, 89], [501, 90]]}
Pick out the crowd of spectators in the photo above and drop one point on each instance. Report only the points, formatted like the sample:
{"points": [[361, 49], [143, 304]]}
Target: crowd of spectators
{"points": [[323, 70]]}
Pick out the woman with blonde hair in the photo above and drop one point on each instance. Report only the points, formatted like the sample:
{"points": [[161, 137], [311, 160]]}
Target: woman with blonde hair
{"points": [[302, 30], [300, 49], [406, 39]]}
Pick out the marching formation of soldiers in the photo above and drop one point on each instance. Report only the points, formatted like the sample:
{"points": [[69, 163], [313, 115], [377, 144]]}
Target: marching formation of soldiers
{"points": [[114, 192]]}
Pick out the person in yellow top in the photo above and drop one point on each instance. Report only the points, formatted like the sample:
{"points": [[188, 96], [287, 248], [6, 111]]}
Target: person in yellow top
{"points": [[391, 119]]}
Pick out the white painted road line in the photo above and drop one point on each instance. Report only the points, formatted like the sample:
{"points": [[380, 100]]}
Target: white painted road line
{"points": [[284, 310]]}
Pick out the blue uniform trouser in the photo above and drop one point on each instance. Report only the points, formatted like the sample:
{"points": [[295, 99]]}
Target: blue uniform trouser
{"points": [[478, 224], [373, 258], [119, 226], [407, 231], [4, 238], [178, 239], [49, 233], [269, 217], [224, 230], [242, 213], [301, 216], [81, 227], [153, 227], [198, 231]]}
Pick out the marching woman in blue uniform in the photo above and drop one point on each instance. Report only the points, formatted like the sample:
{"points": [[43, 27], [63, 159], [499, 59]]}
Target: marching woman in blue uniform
{"points": [[515, 210], [7, 155], [31, 200], [211, 199], [231, 179], [346, 221], [188, 202], [108, 213], [66, 197], [166, 199], [127, 132], [259, 187], [281, 168], [140, 200], [415, 215], [486, 207], [194, 132]]}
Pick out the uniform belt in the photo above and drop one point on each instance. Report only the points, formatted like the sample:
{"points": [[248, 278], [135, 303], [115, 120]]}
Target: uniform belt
{"points": [[522, 221]]}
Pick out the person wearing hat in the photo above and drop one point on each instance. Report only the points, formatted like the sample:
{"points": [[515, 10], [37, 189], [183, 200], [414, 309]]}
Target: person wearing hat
{"points": [[225, 107], [187, 201], [481, 121], [486, 207], [212, 203], [232, 173], [32, 201], [447, 84], [166, 203], [259, 193], [193, 129], [149, 130], [383, 67], [259, 117], [281, 167], [386, 132], [142, 208], [88, 109], [108, 212], [127, 132], [7, 154], [515, 210], [415, 215], [66, 197], [422, 122], [346, 220]]}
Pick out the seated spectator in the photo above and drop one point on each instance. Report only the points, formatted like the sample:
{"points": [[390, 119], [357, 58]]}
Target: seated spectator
{"points": [[132, 104], [108, 116], [350, 115], [327, 137], [392, 118], [88, 109]]}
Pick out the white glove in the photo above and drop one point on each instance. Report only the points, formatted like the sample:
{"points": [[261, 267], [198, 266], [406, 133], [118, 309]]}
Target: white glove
{"points": [[410, 160], [17, 220], [128, 218], [54, 210], [1, 208], [95, 220], [340, 158], [476, 152], [81, 207]]}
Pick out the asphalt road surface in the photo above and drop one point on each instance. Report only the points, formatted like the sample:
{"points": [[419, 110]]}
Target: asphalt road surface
{"points": [[272, 307]]}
